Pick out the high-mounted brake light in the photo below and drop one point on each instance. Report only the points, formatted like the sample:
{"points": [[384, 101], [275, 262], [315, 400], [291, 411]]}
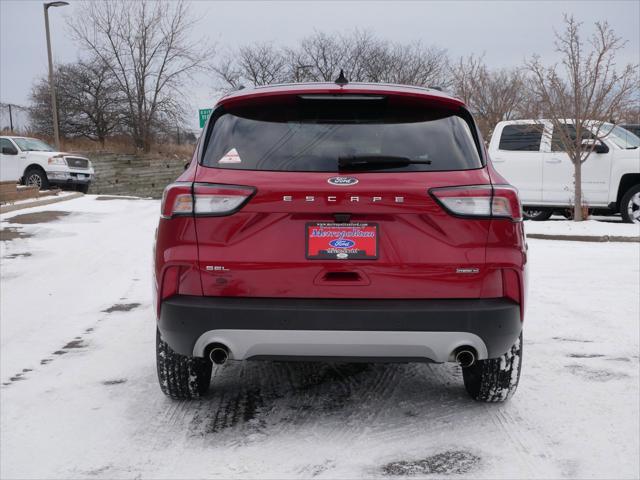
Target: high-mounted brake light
{"points": [[483, 201], [203, 199], [344, 97]]}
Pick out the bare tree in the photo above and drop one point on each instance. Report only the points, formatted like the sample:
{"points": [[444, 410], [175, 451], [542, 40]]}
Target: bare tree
{"points": [[89, 101], [95, 101], [631, 113], [407, 64], [362, 47], [256, 64], [40, 108], [228, 72], [493, 95], [146, 46], [584, 92], [502, 97], [464, 77], [263, 64], [320, 57], [325, 54]]}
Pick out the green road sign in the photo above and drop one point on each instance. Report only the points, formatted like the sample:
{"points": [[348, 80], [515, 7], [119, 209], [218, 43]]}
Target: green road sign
{"points": [[204, 115]]}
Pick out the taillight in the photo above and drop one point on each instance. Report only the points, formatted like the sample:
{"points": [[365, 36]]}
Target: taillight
{"points": [[506, 203], [203, 199], [484, 201], [218, 200], [176, 200]]}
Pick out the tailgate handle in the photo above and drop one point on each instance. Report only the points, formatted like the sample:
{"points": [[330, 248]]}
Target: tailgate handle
{"points": [[342, 277]]}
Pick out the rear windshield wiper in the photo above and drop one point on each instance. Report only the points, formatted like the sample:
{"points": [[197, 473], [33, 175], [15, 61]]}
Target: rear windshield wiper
{"points": [[375, 162]]}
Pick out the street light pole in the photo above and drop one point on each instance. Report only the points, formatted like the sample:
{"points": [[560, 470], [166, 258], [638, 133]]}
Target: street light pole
{"points": [[54, 104]]}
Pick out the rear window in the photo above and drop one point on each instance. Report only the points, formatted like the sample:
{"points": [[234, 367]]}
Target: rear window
{"points": [[523, 138], [310, 136]]}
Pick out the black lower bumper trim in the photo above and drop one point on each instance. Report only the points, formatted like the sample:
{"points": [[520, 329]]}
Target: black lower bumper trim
{"points": [[74, 181], [495, 320]]}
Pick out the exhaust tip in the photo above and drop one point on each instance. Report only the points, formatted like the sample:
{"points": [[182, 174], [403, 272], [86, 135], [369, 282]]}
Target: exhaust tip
{"points": [[465, 356], [219, 355]]}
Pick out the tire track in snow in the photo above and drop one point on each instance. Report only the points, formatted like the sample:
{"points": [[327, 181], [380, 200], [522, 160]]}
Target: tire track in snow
{"points": [[384, 404], [528, 439], [281, 399], [442, 414], [507, 426], [531, 448], [411, 400], [301, 393], [370, 395]]}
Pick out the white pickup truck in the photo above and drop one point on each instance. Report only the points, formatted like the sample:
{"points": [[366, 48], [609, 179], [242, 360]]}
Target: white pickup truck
{"points": [[529, 154], [33, 162]]}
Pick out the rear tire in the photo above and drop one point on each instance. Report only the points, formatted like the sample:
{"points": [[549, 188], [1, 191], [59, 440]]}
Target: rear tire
{"points": [[181, 377], [630, 205], [82, 187], [495, 379], [38, 177], [536, 215]]}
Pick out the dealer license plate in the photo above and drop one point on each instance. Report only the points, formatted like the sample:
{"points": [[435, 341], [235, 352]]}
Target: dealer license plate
{"points": [[342, 241]]}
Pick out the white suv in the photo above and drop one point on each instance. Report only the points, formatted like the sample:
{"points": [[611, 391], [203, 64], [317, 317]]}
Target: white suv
{"points": [[33, 162], [529, 154]]}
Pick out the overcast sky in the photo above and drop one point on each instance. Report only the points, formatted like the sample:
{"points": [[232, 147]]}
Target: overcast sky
{"points": [[505, 31]]}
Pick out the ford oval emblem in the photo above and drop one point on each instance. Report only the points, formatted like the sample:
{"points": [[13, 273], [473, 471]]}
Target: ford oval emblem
{"points": [[342, 181], [342, 243]]}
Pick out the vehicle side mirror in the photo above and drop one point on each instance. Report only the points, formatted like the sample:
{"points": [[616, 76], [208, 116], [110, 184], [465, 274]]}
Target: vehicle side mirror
{"points": [[597, 145], [186, 165], [9, 151]]}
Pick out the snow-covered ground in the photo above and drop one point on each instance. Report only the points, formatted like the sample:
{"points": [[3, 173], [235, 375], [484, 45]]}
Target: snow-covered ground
{"points": [[80, 399], [598, 226]]}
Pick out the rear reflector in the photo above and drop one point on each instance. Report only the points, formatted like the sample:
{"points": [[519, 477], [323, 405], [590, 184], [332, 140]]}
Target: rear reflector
{"points": [[203, 199], [482, 201], [170, 282]]}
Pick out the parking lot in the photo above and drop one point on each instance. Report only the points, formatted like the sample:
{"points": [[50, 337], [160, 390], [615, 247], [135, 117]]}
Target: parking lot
{"points": [[80, 397]]}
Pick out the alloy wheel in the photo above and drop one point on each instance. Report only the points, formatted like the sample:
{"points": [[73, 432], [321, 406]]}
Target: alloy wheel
{"points": [[531, 213], [34, 179], [535, 214], [633, 207]]}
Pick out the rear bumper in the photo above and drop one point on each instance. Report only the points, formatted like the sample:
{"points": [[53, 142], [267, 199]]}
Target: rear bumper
{"points": [[256, 328]]}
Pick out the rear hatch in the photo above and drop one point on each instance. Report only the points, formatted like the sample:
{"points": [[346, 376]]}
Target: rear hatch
{"points": [[329, 197]]}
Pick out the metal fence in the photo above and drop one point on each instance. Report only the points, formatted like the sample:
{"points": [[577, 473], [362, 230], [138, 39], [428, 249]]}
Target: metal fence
{"points": [[15, 118]]}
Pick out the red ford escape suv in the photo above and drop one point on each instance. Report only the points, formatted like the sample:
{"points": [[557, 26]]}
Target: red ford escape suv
{"points": [[340, 222]]}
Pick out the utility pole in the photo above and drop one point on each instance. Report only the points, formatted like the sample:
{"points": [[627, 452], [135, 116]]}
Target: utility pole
{"points": [[10, 119], [52, 87]]}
